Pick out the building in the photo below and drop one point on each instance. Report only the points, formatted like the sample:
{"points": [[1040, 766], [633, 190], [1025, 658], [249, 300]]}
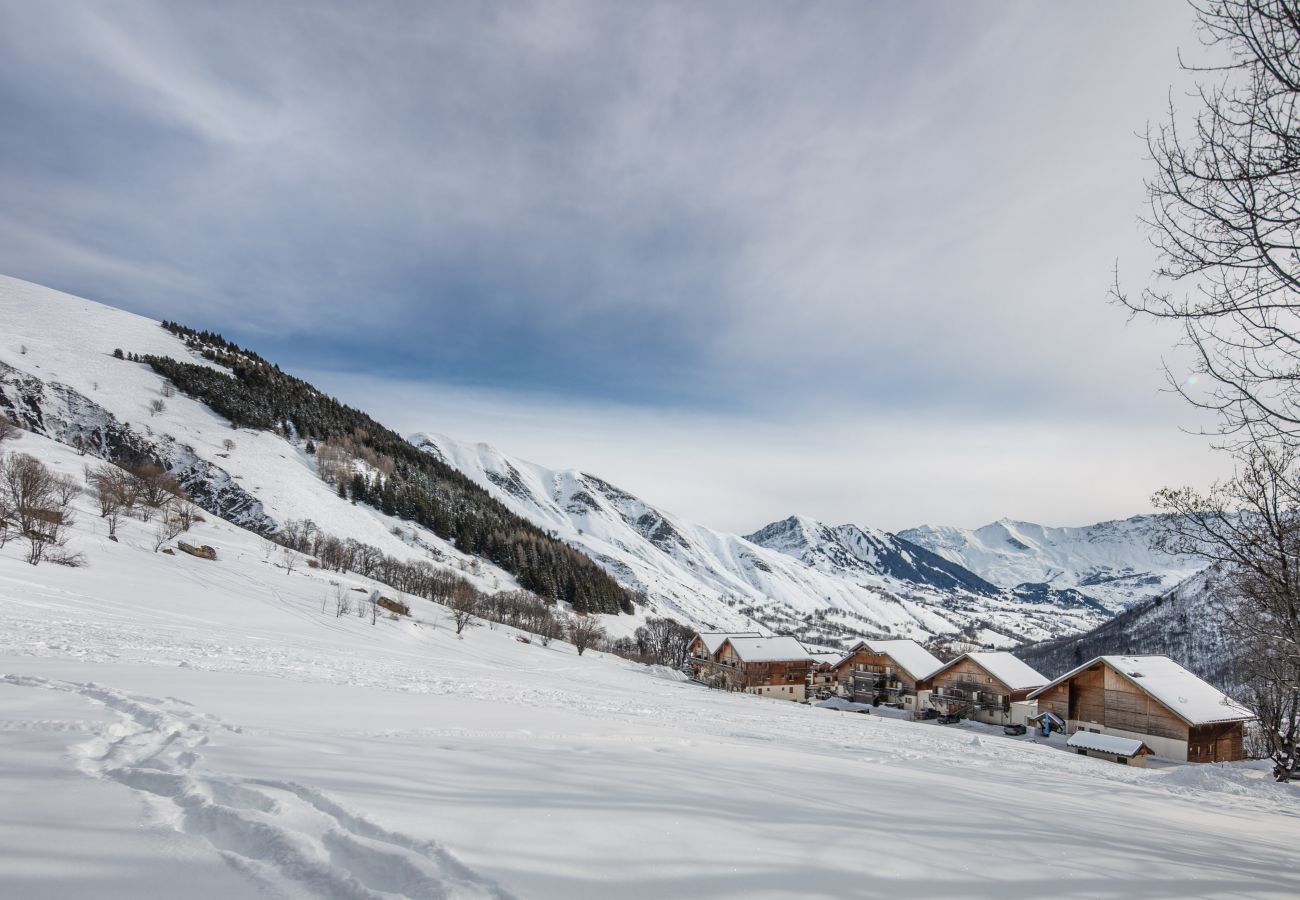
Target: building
{"points": [[1126, 751], [1151, 699], [885, 672], [987, 686], [768, 666], [821, 680], [705, 644]]}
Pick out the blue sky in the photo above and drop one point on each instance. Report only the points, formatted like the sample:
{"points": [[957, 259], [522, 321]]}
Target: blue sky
{"points": [[747, 259]]}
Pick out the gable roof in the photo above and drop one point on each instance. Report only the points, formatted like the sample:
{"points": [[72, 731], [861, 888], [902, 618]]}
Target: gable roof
{"points": [[715, 639], [767, 649], [1195, 701], [910, 656], [1012, 671], [1107, 743]]}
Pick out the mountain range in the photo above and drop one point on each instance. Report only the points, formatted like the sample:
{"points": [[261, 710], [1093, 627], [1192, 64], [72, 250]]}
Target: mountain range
{"points": [[63, 374]]}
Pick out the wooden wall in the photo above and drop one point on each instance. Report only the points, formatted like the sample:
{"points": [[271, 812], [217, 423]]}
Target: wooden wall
{"points": [[1129, 708], [1217, 743], [968, 674], [872, 661]]}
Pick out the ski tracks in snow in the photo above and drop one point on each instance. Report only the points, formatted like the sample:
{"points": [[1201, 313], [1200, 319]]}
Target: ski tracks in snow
{"points": [[292, 839]]}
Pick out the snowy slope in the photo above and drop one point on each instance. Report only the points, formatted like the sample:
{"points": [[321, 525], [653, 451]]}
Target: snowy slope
{"points": [[170, 725], [724, 581], [1111, 561], [59, 378], [1183, 624]]}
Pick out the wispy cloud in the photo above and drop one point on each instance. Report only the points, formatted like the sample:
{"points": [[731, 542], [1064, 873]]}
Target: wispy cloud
{"points": [[850, 214]]}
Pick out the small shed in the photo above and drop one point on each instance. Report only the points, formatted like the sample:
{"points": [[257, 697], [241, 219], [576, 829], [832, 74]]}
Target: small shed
{"points": [[1126, 751]]}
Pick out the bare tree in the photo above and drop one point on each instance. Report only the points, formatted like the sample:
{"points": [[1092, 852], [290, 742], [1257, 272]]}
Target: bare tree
{"points": [[155, 488], [167, 390], [156, 406], [168, 526], [664, 641], [228, 445], [464, 605], [584, 632], [40, 502], [1224, 217], [342, 602], [1250, 527], [115, 491]]}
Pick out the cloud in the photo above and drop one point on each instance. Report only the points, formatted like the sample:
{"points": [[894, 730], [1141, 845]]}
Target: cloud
{"points": [[852, 216], [735, 472]]}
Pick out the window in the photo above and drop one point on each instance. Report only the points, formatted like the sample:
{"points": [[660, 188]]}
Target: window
{"points": [[1122, 760]]}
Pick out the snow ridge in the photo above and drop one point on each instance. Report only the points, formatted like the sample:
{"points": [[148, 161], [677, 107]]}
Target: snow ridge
{"points": [[720, 581], [1111, 561]]}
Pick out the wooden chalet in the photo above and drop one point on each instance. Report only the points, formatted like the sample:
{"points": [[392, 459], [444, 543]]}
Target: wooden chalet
{"points": [[987, 686], [706, 643], [769, 666], [885, 672], [1150, 699]]}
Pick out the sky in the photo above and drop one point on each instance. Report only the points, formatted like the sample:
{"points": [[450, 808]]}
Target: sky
{"points": [[746, 259]]}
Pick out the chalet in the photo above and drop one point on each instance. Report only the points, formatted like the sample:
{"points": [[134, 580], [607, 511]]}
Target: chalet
{"points": [[1151, 699], [768, 666], [706, 643], [885, 672], [821, 678], [987, 686], [1126, 751]]}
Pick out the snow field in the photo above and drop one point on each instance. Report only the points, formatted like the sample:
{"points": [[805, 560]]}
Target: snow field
{"points": [[166, 717]]}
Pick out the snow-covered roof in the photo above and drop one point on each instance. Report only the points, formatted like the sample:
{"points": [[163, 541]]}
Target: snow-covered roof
{"points": [[918, 661], [1105, 743], [1195, 701], [1015, 673], [715, 639], [768, 649], [832, 658]]}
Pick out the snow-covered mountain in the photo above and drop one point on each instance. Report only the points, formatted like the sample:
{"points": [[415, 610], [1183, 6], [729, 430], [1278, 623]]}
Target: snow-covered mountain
{"points": [[59, 378], [797, 574], [1183, 624], [1110, 561]]}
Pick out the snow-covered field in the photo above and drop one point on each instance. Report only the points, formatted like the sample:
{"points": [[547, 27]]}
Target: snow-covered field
{"points": [[171, 726]]}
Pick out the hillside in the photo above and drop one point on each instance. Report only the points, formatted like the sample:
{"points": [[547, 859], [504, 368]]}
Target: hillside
{"points": [[171, 721], [1110, 561], [1181, 623], [856, 583], [107, 380]]}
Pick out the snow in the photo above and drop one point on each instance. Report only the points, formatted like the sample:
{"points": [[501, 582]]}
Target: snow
{"points": [[1110, 561], [172, 724], [706, 578], [712, 640], [1197, 702], [67, 340], [1105, 743], [1009, 670], [768, 649], [911, 656]]}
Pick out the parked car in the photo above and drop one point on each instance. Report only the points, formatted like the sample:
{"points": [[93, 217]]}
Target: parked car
{"points": [[1013, 729], [949, 719], [927, 714]]}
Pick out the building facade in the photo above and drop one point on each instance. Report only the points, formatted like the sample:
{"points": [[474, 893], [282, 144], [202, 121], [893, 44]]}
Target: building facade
{"points": [[989, 686], [1150, 699]]}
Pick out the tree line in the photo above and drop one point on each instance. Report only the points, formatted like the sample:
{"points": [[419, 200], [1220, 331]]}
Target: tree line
{"points": [[422, 489]]}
